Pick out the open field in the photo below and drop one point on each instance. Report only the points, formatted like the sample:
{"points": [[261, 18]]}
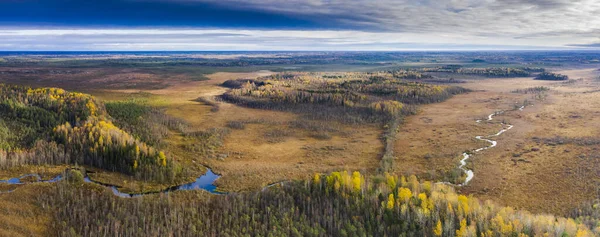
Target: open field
{"points": [[271, 147], [520, 167]]}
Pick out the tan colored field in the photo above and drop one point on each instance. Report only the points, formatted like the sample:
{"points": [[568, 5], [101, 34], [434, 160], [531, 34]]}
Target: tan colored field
{"points": [[254, 161], [435, 138], [20, 215], [269, 149], [519, 172], [85, 78]]}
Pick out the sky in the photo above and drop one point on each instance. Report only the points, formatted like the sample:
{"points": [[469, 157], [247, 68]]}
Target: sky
{"points": [[313, 25]]}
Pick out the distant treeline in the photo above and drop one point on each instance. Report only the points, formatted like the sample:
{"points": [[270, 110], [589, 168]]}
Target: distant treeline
{"points": [[487, 72], [376, 95], [282, 59], [551, 76]]}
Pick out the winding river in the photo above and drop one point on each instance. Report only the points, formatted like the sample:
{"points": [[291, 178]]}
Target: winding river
{"points": [[467, 155], [204, 182]]}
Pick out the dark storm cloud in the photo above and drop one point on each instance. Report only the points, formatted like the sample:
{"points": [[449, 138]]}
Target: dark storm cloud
{"points": [[136, 13]]}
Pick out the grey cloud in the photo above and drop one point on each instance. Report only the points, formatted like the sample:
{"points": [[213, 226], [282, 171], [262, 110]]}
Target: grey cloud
{"points": [[539, 4], [229, 40], [375, 24], [490, 17], [592, 45]]}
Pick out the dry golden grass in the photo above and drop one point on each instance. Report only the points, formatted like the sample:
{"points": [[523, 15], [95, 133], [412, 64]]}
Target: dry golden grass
{"points": [[20, 215], [435, 138], [45, 172], [254, 159], [518, 172]]}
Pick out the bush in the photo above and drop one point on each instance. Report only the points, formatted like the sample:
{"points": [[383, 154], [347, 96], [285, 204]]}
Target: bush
{"points": [[551, 76], [236, 125], [74, 176], [321, 135]]}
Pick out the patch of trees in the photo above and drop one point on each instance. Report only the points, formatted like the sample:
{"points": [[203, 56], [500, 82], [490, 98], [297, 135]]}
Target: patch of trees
{"points": [[338, 204], [152, 126], [486, 72], [41, 153], [377, 94], [235, 84], [532, 90], [534, 69], [406, 74], [495, 72], [74, 128], [14, 134], [44, 108], [148, 124], [551, 76], [588, 214], [136, 118], [104, 145]]}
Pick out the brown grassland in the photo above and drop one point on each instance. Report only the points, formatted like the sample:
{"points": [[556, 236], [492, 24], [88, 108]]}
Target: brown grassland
{"points": [[558, 175], [548, 156], [268, 149]]}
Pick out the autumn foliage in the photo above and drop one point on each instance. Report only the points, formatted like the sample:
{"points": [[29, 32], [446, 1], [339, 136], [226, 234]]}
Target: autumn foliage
{"points": [[76, 127], [336, 204], [370, 94]]}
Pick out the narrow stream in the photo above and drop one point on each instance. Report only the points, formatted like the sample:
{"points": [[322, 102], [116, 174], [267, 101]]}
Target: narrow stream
{"points": [[466, 155], [204, 182]]}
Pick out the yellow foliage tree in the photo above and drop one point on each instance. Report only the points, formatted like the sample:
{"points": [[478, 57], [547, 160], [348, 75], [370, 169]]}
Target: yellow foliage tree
{"points": [[462, 231], [317, 179], [404, 194], [391, 181], [464, 203], [390, 202], [437, 231], [427, 187], [163, 158], [426, 203], [356, 181]]}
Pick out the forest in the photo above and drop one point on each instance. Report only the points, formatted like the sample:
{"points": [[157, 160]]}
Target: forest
{"points": [[336, 204], [64, 127], [370, 96], [486, 72]]}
